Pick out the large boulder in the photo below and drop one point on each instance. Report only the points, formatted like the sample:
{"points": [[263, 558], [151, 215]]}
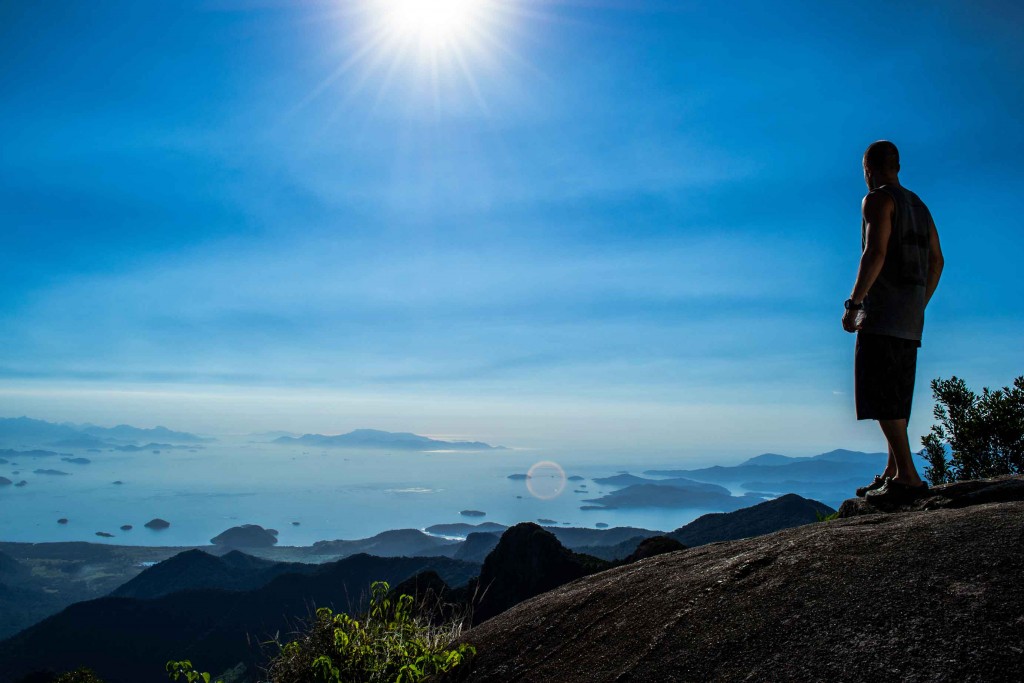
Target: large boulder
{"points": [[527, 561], [933, 595]]}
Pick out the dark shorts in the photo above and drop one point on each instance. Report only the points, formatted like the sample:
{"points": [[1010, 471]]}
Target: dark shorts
{"points": [[883, 370]]}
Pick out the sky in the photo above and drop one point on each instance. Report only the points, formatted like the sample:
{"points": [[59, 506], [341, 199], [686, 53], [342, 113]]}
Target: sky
{"points": [[565, 224]]}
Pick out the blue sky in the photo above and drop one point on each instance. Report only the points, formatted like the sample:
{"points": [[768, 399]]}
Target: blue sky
{"points": [[610, 224]]}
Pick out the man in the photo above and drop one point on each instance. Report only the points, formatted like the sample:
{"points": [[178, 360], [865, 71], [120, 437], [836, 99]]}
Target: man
{"points": [[900, 265]]}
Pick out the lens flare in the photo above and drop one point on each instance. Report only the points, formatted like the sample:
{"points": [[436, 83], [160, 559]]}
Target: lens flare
{"points": [[545, 480]]}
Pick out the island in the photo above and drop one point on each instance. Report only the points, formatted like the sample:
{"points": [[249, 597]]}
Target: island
{"points": [[126, 527], [246, 536], [104, 534], [157, 524], [62, 520], [472, 513], [377, 439], [52, 472]]}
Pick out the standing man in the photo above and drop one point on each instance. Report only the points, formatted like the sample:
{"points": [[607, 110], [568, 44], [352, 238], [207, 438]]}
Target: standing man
{"points": [[900, 265]]}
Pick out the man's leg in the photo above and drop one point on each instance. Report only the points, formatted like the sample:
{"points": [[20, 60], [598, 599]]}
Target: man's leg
{"points": [[899, 452], [890, 465]]}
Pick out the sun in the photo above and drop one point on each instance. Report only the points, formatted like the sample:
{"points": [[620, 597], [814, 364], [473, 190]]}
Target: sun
{"points": [[433, 24]]}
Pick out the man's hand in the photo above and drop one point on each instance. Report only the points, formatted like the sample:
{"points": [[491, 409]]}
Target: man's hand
{"points": [[850, 321]]}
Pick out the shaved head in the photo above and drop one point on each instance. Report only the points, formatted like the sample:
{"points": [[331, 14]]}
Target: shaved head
{"points": [[882, 156]]}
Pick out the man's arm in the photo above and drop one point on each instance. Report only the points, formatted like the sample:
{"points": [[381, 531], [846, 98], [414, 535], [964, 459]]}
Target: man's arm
{"points": [[935, 262], [877, 209]]}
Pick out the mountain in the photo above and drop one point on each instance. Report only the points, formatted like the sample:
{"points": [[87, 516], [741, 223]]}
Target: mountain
{"points": [[527, 561], [773, 515], [374, 438], [394, 543], [477, 546], [934, 595], [830, 477], [129, 433], [126, 640], [25, 430], [194, 569]]}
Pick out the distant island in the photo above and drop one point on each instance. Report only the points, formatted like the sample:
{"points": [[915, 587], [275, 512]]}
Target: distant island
{"points": [[15, 430], [377, 439]]}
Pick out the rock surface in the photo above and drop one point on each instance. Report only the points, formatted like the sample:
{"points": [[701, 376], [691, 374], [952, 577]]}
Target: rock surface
{"points": [[956, 495], [921, 596]]}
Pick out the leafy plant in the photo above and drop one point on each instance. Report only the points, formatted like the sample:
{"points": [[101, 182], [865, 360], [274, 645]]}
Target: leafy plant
{"points": [[390, 643], [984, 434], [827, 518], [184, 668], [82, 675]]}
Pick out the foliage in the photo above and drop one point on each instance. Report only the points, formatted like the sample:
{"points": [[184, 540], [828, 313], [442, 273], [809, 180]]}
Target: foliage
{"points": [[184, 668], [389, 643], [984, 434], [82, 675], [827, 518]]}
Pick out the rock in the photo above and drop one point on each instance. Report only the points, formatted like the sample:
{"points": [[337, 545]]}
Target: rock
{"points": [[527, 561], [925, 596], [62, 520], [472, 513], [126, 527], [246, 536], [956, 495], [157, 524], [655, 545], [104, 534]]}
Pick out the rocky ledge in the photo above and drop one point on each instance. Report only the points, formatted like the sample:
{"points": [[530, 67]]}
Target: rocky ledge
{"points": [[931, 594], [957, 495]]}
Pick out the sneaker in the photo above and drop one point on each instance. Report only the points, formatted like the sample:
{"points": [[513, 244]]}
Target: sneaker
{"points": [[878, 483], [895, 492]]}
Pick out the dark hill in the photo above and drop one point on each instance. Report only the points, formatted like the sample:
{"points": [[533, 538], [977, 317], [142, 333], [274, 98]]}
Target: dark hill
{"points": [[527, 561], [127, 640], [477, 546], [194, 569], [772, 515], [919, 596]]}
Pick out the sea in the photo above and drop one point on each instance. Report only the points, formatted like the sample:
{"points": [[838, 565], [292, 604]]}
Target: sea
{"points": [[310, 495]]}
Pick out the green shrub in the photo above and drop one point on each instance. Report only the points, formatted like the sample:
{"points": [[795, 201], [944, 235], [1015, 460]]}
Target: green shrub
{"points": [[985, 434], [82, 675], [184, 668], [388, 644]]}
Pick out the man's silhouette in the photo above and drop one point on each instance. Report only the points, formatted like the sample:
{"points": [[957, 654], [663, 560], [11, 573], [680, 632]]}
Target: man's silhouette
{"points": [[900, 265]]}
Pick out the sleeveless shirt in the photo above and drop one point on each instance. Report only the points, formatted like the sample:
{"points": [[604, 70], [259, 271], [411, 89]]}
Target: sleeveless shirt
{"points": [[895, 304]]}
